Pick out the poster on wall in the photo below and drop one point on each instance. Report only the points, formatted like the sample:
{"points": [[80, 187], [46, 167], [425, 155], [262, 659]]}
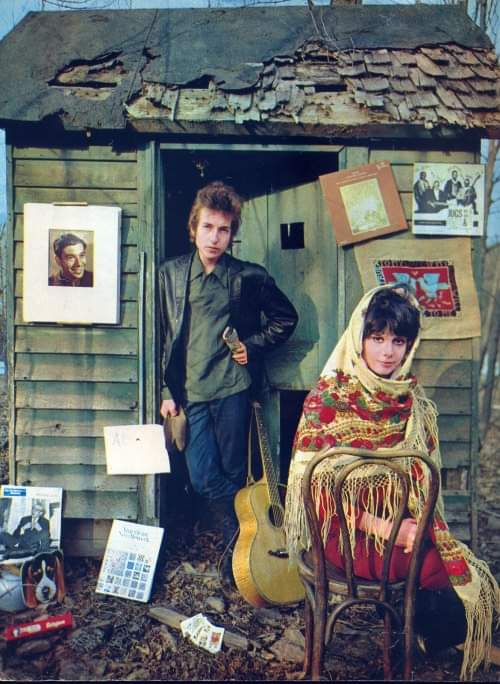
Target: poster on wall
{"points": [[448, 199], [438, 271], [363, 202], [71, 263]]}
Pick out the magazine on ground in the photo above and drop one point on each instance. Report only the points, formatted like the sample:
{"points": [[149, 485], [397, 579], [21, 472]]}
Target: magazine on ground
{"points": [[30, 521], [129, 562]]}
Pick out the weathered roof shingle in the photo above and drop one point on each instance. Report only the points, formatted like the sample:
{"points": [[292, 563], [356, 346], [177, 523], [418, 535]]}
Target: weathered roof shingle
{"points": [[423, 65]]}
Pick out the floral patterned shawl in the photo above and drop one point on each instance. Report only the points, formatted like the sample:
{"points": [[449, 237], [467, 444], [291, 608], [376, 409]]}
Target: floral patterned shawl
{"points": [[352, 406]]}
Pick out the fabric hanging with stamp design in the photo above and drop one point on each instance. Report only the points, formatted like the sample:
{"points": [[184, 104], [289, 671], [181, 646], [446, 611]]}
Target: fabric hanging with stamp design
{"points": [[439, 272]]}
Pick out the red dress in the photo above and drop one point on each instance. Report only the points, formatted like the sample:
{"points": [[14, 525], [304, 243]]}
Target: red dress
{"points": [[368, 562]]}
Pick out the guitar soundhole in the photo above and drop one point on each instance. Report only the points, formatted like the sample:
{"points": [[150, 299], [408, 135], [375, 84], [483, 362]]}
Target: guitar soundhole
{"points": [[275, 514]]}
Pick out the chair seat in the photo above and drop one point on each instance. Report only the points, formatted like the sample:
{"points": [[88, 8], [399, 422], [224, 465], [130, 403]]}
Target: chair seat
{"points": [[337, 579]]}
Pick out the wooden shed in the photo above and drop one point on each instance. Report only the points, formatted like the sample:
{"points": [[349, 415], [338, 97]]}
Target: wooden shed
{"points": [[139, 109]]}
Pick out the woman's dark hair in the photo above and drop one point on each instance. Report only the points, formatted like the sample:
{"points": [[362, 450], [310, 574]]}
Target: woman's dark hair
{"points": [[390, 310]]}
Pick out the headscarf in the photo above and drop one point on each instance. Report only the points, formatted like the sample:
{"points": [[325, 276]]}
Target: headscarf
{"points": [[352, 406]]}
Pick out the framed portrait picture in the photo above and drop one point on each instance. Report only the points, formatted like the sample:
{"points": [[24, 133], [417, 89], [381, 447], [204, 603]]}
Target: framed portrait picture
{"points": [[363, 202], [71, 263], [448, 199]]}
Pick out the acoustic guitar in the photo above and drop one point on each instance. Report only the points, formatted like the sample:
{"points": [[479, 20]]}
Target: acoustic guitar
{"points": [[261, 566]]}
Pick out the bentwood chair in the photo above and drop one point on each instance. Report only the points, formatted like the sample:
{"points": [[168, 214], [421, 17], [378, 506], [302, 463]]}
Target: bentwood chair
{"points": [[329, 591]]}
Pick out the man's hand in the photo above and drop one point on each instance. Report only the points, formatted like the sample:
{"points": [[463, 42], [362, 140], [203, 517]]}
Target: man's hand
{"points": [[240, 355], [168, 408]]}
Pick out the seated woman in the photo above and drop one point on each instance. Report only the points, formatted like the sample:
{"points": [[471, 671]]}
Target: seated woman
{"points": [[366, 397]]}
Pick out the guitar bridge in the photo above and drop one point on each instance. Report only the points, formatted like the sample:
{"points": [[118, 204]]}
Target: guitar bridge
{"points": [[278, 553]]}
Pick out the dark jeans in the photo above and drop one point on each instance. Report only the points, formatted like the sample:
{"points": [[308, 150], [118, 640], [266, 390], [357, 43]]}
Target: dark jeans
{"points": [[216, 453]]}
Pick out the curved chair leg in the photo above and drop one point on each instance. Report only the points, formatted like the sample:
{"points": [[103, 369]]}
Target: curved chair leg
{"points": [[318, 649], [408, 646], [309, 636], [387, 645]]}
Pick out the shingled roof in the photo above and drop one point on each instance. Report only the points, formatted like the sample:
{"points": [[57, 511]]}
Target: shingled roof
{"points": [[337, 70]]}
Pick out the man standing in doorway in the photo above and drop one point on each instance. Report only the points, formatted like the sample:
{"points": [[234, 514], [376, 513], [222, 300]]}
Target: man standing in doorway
{"points": [[200, 295]]}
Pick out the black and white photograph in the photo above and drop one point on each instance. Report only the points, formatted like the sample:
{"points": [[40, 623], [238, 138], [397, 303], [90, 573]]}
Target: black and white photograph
{"points": [[448, 199], [30, 521]]}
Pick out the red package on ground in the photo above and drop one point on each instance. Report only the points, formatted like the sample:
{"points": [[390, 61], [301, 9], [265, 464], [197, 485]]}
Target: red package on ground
{"points": [[36, 628]]}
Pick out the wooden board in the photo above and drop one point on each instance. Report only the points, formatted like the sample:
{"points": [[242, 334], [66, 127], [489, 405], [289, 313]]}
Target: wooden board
{"points": [[82, 367], [75, 340], [85, 174], [60, 450], [86, 538], [76, 478], [76, 395], [92, 152], [46, 422]]}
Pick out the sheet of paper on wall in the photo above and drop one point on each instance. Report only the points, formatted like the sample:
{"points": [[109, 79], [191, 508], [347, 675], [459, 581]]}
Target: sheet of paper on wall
{"points": [[30, 520], [135, 450], [129, 561]]}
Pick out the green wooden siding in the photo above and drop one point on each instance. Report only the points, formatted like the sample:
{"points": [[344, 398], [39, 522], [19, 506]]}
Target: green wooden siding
{"points": [[70, 381]]}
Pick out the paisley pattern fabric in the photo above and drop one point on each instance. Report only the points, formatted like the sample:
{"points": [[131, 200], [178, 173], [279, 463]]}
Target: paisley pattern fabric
{"points": [[351, 406]]}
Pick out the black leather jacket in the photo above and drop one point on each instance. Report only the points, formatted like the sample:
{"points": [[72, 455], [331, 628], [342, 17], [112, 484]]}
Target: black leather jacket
{"points": [[252, 292]]}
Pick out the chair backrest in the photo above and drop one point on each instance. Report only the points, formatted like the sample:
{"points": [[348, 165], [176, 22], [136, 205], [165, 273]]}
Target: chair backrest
{"points": [[385, 460]]}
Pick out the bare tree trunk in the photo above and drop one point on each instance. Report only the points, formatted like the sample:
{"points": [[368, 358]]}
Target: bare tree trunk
{"points": [[490, 290], [491, 357]]}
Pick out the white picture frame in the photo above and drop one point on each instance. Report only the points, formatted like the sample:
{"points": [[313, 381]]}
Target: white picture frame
{"points": [[82, 284]]}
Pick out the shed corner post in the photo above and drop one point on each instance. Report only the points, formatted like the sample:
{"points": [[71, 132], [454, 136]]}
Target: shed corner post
{"points": [[10, 303], [148, 187]]}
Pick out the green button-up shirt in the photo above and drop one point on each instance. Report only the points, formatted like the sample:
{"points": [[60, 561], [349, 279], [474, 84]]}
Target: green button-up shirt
{"points": [[211, 372]]}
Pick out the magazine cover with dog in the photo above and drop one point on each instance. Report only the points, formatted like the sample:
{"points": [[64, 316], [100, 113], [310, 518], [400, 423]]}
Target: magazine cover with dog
{"points": [[30, 521]]}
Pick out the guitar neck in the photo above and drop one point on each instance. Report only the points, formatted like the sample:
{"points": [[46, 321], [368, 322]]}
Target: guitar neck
{"points": [[265, 454]]}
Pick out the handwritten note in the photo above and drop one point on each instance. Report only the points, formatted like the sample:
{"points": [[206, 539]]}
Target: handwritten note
{"points": [[135, 450]]}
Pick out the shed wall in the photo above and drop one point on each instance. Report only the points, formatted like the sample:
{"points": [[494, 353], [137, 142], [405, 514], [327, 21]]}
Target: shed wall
{"points": [[68, 381]]}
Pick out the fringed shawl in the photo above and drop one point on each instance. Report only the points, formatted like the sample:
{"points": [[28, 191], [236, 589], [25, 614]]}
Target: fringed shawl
{"points": [[352, 406]]}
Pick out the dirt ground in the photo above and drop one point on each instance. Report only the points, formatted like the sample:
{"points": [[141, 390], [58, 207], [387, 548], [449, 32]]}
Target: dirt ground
{"points": [[116, 639]]}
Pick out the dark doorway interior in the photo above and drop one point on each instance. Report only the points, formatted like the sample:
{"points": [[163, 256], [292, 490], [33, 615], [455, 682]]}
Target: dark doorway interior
{"points": [[252, 174], [290, 410]]}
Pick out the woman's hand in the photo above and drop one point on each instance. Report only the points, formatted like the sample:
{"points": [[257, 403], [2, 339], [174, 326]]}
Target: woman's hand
{"points": [[168, 408], [241, 355], [406, 535]]}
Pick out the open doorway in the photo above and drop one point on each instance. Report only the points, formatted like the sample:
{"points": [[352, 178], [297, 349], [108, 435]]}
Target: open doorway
{"points": [[251, 173], [291, 238]]}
